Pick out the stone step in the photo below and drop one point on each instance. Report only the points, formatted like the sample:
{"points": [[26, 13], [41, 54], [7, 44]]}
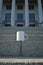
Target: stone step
{"points": [[13, 37], [21, 61], [29, 48], [31, 29], [7, 37], [32, 47], [35, 38]]}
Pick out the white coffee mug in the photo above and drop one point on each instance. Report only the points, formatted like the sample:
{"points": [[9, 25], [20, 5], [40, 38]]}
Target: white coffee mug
{"points": [[21, 36]]}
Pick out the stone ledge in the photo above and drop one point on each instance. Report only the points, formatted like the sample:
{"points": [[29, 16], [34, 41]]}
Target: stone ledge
{"points": [[20, 60]]}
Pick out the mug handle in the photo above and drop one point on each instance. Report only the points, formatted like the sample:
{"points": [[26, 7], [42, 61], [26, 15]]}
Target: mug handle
{"points": [[26, 36]]}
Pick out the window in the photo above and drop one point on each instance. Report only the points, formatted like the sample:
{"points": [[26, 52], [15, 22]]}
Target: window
{"points": [[8, 7], [19, 7], [31, 6], [19, 16], [31, 17], [8, 17], [42, 7]]}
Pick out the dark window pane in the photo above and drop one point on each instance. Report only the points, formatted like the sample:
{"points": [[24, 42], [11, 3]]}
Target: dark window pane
{"points": [[31, 7], [8, 7], [31, 17], [8, 17], [19, 7], [42, 6], [19, 16]]}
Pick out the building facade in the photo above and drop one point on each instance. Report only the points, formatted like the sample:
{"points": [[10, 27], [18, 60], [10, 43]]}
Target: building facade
{"points": [[21, 12], [21, 15]]}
